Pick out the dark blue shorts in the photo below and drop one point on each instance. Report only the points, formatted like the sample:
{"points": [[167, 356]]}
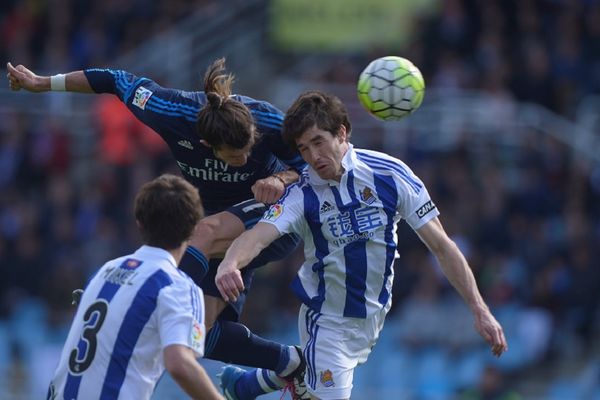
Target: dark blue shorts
{"points": [[249, 212]]}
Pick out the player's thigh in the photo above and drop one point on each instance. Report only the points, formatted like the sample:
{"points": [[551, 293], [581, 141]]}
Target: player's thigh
{"points": [[333, 347], [214, 234], [329, 370], [213, 306]]}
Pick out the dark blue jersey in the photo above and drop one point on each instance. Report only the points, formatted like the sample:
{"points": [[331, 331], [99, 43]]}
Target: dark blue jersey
{"points": [[173, 114]]}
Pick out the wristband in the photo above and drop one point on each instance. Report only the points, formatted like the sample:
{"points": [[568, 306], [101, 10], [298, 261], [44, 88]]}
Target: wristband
{"points": [[279, 178], [58, 83]]}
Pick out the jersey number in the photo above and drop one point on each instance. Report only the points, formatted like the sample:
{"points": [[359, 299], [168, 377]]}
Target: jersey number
{"points": [[80, 362]]}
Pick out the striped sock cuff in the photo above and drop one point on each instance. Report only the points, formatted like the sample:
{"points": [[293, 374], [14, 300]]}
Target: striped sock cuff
{"points": [[269, 381], [288, 361]]}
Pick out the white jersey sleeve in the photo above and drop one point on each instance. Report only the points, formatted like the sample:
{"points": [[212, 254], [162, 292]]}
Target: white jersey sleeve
{"points": [[180, 317], [288, 213], [414, 203]]}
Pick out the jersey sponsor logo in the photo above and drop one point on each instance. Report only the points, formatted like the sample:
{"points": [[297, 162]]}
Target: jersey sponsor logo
{"points": [[424, 210], [364, 236], [186, 143], [273, 212], [215, 171], [325, 207], [341, 228], [367, 195], [121, 276], [327, 378], [197, 337], [141, 97]]}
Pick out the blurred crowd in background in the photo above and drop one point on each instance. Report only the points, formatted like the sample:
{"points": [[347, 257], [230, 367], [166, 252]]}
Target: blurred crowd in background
{"points": [[527, 219]]}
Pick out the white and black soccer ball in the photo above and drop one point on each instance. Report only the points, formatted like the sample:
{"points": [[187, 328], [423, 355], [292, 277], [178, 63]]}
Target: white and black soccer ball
{"points": [[391, 87]]}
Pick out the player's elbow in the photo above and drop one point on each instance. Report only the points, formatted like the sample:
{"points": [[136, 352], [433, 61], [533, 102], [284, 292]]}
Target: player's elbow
{"points": [[445, 249]]}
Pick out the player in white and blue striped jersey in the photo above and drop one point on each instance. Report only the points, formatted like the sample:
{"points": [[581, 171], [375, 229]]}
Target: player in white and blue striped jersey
{"points": [[346, 208], [140, 313]]}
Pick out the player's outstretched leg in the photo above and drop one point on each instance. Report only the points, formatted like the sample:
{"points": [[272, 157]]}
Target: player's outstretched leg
{"points": [[239, 384], [233, 343]]}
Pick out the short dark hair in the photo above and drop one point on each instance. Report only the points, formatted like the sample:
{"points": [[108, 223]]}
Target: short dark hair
{"points": [[312, 108], [224, 121], [167, 210]]}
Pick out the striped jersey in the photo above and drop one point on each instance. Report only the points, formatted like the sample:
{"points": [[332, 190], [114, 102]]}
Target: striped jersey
{"points": [[132, 309], [173, 114], [349, 231]]}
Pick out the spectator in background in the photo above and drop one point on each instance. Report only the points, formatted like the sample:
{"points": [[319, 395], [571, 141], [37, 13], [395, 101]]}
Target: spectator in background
{"points": [[47, 38], [492, 386]]}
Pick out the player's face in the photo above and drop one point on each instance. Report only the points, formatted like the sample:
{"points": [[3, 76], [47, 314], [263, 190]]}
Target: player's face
{"points": [[323, 151]]}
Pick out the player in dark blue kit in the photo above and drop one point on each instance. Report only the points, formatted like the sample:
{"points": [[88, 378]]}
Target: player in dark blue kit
{"points": [[230, 148]]}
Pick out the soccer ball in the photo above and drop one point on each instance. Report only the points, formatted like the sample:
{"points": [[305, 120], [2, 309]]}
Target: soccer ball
{"points": [[391, 87]]}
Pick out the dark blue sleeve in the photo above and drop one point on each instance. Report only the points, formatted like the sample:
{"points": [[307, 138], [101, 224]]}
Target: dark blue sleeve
{"points": [[112, 81], [170, 112], [269, 121]]}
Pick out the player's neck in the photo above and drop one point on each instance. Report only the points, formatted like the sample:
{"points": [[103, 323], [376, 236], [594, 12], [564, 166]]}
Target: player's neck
{"points": [[178, 252]]}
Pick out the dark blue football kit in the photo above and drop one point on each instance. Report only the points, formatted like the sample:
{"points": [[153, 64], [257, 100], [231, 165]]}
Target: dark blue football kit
{"points": [[172, 113]]}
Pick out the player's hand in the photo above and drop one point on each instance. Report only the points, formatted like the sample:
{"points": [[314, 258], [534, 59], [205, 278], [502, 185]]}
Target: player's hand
{"points": [[268, 190], [20, 77], [229, 281], [491, 331]]}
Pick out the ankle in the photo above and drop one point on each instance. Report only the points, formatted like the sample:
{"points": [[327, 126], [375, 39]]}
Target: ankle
{"points": [[296, 366]]}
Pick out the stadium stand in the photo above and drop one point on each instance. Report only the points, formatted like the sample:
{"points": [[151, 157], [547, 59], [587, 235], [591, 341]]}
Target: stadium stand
{"points": [[510, 119]]}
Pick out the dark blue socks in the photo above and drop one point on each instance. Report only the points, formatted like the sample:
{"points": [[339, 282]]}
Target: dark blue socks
{"points": [[233, 343]]}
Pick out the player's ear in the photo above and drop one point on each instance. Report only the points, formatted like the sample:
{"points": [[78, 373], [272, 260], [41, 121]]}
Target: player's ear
{"points": [[342, 134], [204, 142]]}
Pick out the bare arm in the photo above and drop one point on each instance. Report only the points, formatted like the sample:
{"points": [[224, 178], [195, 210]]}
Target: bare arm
{"points": [[20, 77], [271, 188], [188, 373], [243, 250], [288, 177], [458, 272]]}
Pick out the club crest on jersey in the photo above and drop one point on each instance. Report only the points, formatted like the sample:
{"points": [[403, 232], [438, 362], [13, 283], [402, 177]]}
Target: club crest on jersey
{"points": [[327, 378], [367, 195], [131, 263], [197, 336], [273, 212], [141, 97]]}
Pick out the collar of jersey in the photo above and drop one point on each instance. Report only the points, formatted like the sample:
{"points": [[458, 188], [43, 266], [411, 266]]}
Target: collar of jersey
{"points": [[349, 161], [157, 252]]}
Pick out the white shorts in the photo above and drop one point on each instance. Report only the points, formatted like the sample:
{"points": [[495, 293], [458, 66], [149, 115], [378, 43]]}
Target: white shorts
{"points": [[333, 347]]}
